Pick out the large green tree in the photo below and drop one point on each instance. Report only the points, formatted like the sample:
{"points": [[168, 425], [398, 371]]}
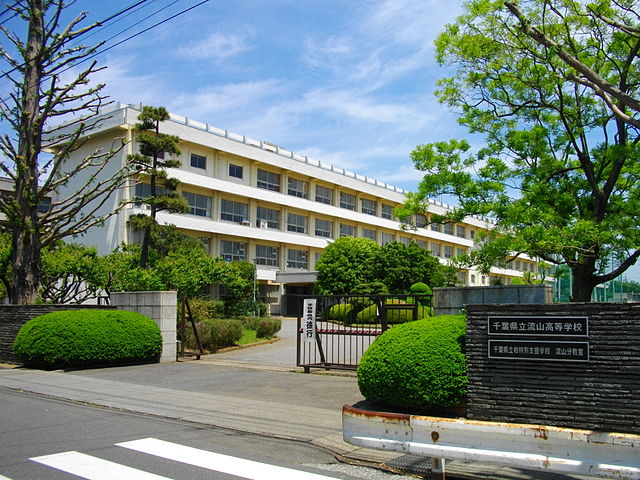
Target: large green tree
{"points": [[42, 91], [558, 174]]}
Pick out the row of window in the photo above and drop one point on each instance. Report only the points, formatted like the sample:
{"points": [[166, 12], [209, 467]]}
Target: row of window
{"points": [[299, 188], [267, 255]]}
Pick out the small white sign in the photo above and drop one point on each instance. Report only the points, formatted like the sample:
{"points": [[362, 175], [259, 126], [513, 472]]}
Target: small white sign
{"points": [[309, 319]]}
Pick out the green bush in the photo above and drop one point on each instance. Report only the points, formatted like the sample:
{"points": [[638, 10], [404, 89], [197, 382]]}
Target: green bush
{"points": [[268, 327], [417, 365], [77, 338], [202, 308], [225, 333], [370, 314], [420, 288], [341, 312]]}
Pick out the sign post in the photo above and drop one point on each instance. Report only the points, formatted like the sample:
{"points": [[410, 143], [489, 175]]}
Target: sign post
{"points": [[309, 312]]}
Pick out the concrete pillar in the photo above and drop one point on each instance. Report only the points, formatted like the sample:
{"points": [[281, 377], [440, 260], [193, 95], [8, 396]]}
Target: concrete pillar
{"points": [[161, 307]]}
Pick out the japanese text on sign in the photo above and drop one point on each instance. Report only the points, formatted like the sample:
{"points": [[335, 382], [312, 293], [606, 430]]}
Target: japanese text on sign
{"points": [[539, 326], [309, 319], [539, 350]]}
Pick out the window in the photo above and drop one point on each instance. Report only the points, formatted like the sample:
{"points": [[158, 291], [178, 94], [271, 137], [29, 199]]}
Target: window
{"points": [[298, 188], [269, 180], [405, 240], [421, 243], [366, 233], [448, 228], [472, 234], [324, 195], [233, 251], [45, 205], [143, 191], [448, 251], [460, 251], [421, 221], [233, 211], [198, 204], [347, 230], [347, 201], [269, 216], [235, 171], [266, 255], [436, 227], [473, 279], [387, 212], [461, 231], [386, 238], [435, 249], [370, 207], [198, 161], [324, 228], [297, 259], [296, 223]]}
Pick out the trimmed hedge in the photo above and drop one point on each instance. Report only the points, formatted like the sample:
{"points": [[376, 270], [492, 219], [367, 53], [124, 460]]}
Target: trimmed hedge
{"points": [[370, 314], [214, 333], [417, 365], [341, 312], [78, 338]]}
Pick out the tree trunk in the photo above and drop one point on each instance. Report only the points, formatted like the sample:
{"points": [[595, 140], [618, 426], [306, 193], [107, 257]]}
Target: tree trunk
{"points": [[583, 282], [26, 239], [26, 267]]}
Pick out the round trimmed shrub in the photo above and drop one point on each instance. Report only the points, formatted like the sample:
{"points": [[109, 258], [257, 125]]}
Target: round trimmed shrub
{"points": [[268, 327], [417, 365], [341, 312], [420, 288], [77, 338]]}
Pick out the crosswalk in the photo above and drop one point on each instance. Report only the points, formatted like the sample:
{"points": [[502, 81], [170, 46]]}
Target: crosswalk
{"points": [[94, 468]]}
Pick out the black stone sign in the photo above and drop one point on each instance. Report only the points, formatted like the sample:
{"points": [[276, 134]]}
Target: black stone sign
{"points": [[539, 326], [539, 350]]}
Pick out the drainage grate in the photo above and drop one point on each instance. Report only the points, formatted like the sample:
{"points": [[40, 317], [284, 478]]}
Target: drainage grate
{"points": [[414, 464]]}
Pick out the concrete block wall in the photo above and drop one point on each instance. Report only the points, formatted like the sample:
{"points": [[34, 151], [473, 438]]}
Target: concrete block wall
{"points": [[451, 300], [602, 393], [161, 307], [13, 317]]}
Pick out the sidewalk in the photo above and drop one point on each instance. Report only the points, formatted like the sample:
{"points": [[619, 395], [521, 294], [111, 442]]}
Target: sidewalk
{"points": [[257, 390]]}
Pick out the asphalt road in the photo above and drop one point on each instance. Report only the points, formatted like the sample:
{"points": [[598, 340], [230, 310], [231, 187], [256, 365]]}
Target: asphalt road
{"points": [[43, 438]]}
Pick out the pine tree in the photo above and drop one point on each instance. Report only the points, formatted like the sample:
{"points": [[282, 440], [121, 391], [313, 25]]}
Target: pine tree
{"points": [[151, 162]]}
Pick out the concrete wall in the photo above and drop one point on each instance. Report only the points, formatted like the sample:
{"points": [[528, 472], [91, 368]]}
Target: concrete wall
{"points": [[451, 300], [601, 393], [161, 307], [13, 317]]}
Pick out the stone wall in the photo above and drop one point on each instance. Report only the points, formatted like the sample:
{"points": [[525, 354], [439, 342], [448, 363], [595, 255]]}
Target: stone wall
{"points": [[161, 307], [451, 300], [13, 317], [601, 393]]}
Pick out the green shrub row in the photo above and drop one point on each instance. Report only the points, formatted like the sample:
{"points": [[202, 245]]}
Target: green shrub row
{"points": [[417, 365], [216, 333], [348, 313], [78, 338]]}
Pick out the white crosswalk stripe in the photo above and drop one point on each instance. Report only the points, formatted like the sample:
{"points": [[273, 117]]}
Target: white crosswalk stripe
{"points": [[2, 477], [93, 468], [239, 467]]}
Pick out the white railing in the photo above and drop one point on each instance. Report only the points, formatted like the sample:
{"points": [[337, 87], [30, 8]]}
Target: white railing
{"points": [[539, 447]]}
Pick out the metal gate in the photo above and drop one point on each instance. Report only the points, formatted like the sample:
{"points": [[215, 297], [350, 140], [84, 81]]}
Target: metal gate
{"points": [[343, 326]]}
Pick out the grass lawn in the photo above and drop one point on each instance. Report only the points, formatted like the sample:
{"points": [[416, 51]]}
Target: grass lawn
{"points": [[249, 336]]}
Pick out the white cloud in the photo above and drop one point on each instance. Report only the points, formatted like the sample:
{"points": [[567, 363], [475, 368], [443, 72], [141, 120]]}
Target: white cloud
{"points": [[216, 46], [213, 102]]}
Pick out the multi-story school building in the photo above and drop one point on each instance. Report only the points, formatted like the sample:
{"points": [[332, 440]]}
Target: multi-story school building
{"points": [[253, 200]]}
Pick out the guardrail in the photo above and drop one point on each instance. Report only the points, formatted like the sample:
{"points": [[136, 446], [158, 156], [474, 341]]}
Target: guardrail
{"points": [[539, 447]]}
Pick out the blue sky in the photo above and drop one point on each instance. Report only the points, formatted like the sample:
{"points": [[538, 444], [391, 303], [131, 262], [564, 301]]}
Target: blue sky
{"points": [[344, 82]]}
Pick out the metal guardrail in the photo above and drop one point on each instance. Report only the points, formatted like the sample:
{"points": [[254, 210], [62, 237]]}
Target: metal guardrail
{"points": [[539, 447], [341, 338]]}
